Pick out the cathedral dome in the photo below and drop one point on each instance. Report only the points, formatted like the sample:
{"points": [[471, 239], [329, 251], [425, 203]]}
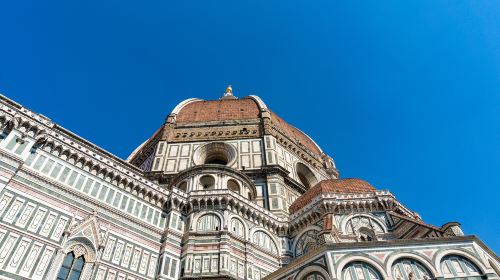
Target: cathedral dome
{"points": [[194, 110], [229, 118], [339, 186], [218, 110]]}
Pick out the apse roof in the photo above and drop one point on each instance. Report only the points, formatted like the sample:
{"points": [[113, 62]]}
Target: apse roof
{"points": [[339, 186]]}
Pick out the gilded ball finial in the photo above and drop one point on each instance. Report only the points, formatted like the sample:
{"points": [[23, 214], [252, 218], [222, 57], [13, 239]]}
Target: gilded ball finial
{"points": [[229, 90]]}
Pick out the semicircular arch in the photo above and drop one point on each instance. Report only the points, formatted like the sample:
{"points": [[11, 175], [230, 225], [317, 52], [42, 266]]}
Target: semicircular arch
{"points": [[363, 258], [458, 252], [312, 269], [422, 259], [343, 223], [245, 226]]}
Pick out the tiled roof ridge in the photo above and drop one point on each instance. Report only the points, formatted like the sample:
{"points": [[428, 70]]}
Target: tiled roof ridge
{"points": [[413, 220]]}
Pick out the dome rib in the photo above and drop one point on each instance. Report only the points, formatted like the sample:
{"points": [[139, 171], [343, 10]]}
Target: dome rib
{"points": [[296, 133]]}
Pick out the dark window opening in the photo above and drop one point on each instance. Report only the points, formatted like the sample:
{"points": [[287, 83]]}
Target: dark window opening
{"points": [[208, 182], [304, 180], [71, 268], [216, 161]]}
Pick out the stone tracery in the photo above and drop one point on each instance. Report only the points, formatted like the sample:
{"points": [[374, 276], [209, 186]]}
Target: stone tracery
{"points": [[307, 241], [363, 225]]}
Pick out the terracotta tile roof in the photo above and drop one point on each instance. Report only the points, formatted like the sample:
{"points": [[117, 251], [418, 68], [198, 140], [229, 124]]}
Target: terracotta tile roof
{"points": [[341, 186], [219, 110], [295, 133]]}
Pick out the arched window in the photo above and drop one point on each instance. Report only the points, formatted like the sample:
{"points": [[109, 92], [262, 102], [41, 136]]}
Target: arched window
{"points": [[208, 222], [360, 271], [313, 276], [264, 240], [363, 226], [306, 242], [233, 186], [207, 182], [410, 269], [71, 268], [454, 266], [237, 227]]}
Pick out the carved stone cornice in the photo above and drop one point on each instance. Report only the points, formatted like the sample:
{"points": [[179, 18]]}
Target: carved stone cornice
{"points": [[211, 168], [334, 203], [222, 199], [210, 133]]}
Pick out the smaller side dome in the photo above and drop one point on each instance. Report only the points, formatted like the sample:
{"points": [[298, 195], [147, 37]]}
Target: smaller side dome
{"points": [[341, 186]]}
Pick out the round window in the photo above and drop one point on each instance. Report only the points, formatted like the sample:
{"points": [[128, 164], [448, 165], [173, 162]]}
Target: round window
{"points": [[215, 153]]}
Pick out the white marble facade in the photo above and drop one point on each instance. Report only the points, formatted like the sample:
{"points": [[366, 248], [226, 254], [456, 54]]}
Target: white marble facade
{"points": [[71, 210]]}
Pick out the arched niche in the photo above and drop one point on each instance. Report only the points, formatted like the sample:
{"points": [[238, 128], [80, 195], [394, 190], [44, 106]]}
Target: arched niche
{"points": [[314, 276], [360, 270], [363, 225], [183, 186], [232, 185], [207, 182], [305, 175], [237, 227], [306, 242], [264, 240], [410, 269], [417, 257], [312, 272], [457, 266], [208, 222]]}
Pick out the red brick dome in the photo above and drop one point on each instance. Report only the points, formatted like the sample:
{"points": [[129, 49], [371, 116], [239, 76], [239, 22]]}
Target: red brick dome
{"points": [[247, 108], [218, 110], [223, 113]]}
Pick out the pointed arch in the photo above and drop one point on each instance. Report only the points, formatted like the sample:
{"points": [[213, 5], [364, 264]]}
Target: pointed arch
{"points": [[72, 267]]}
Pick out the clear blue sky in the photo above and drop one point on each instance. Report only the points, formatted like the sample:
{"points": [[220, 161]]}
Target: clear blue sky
{"points": [[404, 94]]}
